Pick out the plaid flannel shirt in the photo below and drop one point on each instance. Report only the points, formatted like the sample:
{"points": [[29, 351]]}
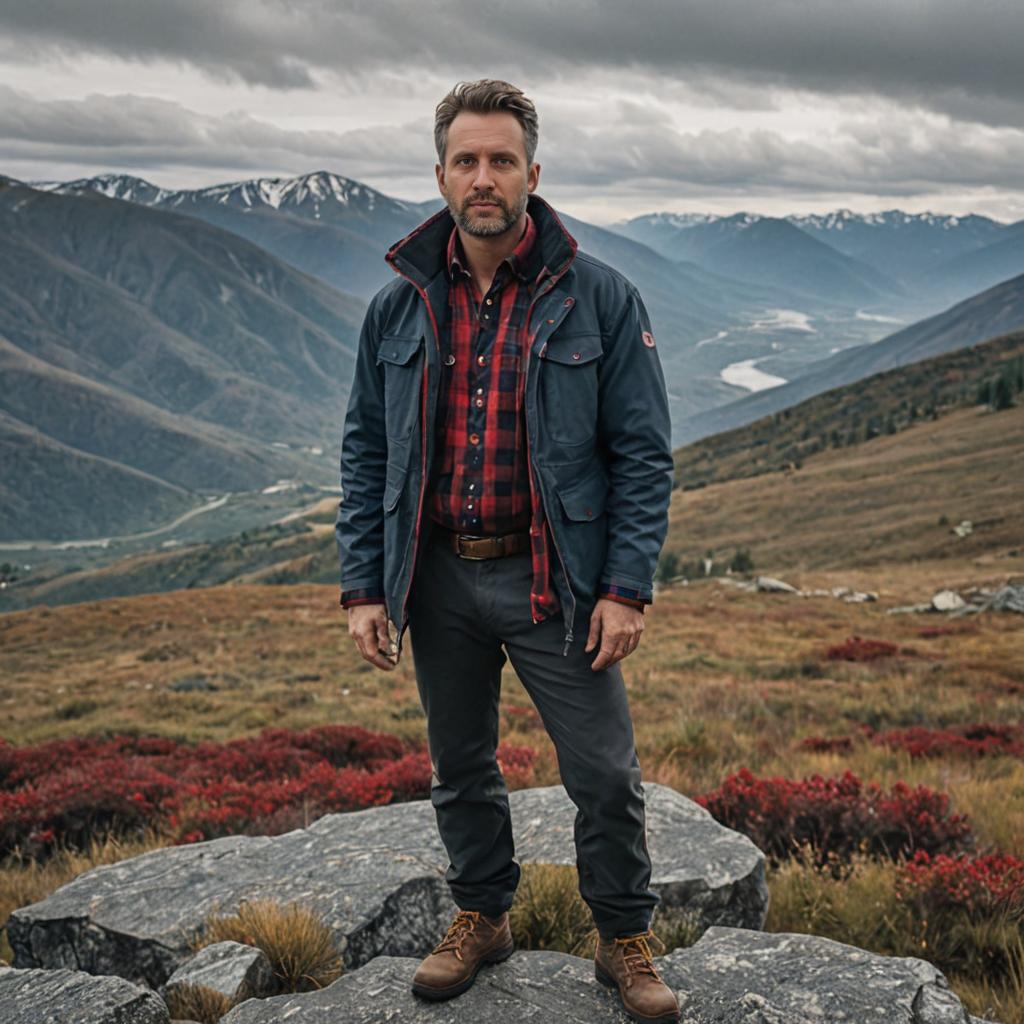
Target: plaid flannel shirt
{"points": [[480, 482]]}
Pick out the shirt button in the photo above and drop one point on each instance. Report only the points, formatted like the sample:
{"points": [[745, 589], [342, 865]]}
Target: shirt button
{"points": [[449, 359], [487, 316], [490, 302], [481, 360], [469, 505], [479, 403], [479, 391], [474, 438], [471, 486], [575, 355]]}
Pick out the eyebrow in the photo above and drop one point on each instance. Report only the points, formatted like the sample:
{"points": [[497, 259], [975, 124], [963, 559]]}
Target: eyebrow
{"points": [[465, 152]]}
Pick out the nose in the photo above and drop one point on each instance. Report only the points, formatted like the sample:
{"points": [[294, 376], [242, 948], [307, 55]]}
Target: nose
{"points": [[483, 182]]}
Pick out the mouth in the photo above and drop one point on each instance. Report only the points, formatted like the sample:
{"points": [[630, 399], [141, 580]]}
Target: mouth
{"points": [[483, 204]]}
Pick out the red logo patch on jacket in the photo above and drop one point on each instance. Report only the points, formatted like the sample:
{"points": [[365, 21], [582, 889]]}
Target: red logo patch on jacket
{"points": [[648, 339]]}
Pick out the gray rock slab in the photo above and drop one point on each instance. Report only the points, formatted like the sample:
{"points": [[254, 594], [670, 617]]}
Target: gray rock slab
{"points": [[734, 975], [536, 987], [730, 976], [375, 876], [233, 969], [36, 996]]}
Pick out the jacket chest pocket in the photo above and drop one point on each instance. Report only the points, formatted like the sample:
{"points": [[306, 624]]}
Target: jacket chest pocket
{"points": [[401, 360], [568, 387]]}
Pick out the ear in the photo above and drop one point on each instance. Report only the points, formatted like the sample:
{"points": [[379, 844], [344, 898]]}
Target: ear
{"points": [[439, 172], [532, 177]]}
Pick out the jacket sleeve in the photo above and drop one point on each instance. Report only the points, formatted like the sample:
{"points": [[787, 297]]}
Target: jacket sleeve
{"points": [[359, 526], [634, 430]]}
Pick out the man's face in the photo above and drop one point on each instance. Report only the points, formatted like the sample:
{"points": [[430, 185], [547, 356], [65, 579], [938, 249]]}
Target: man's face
{"points": [[486, 179]]}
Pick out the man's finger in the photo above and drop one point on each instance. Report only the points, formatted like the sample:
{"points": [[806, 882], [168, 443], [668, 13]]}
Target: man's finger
{"points": [[366, 642], [384, 641], [594, 636], [608, 654]]}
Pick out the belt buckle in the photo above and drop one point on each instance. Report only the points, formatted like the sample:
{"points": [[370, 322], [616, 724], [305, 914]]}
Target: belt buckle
{"points": [[471, 558], [468, 537]]}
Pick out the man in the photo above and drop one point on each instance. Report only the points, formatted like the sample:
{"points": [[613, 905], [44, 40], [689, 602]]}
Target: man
{"points": [[506, 472]]}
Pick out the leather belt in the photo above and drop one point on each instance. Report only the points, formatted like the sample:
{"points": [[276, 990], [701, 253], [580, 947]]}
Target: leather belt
{"points": [[476, 546]]}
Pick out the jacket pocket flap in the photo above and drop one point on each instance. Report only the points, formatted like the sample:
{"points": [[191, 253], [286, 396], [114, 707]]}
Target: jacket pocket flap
{"points": [[573, 350], [585, 499], [398, 349]]}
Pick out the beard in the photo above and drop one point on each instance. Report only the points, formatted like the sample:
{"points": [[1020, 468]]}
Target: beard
{"points": [[497, 222]]}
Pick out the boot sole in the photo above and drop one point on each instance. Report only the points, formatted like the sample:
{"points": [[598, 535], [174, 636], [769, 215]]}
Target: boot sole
{"points": [[459, 987], [672, 1017]]}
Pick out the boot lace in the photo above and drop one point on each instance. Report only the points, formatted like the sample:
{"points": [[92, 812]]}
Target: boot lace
{"points": [[636, 954], [464, 923]]}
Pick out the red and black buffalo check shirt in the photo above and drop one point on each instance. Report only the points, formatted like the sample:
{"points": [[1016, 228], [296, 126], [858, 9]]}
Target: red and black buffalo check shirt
{"points": [[480, 482]]}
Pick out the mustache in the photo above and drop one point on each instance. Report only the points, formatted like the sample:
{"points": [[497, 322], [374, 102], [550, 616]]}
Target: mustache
{"points": [[485, 199]]}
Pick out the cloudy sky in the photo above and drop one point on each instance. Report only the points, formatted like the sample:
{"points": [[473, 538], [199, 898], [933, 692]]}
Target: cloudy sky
{"points": [[771, 106]]}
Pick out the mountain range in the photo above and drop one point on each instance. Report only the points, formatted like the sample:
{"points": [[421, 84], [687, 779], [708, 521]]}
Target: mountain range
{"points": [[161, 347]]}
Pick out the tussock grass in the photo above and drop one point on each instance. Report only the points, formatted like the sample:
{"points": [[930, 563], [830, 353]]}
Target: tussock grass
{"points": [[294, 937], [549, 913], [199, 1003]]}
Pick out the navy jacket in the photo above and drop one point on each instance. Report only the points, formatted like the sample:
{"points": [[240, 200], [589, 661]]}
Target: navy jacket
{"points": [[597, 423]]}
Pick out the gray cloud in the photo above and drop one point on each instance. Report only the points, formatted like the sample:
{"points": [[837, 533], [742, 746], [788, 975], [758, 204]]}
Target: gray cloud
{"points": [[147, 132], [946, 54], [634, 149]]}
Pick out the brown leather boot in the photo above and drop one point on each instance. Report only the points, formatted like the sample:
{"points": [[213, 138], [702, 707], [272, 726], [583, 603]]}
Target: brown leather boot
{"points": [[627, 963], [472, 940]]}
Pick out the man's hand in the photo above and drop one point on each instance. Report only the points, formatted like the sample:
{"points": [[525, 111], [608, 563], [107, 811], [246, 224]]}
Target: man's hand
{"points": [[617, 627], [368, 626]]}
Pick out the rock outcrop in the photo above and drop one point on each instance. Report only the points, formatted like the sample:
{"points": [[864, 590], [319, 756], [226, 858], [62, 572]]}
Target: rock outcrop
{"points": [[376, 877], [730, 976]]}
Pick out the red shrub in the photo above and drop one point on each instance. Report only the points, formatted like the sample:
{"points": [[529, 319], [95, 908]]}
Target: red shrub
{"points": [[837, 816], [981, 886], [858, 648], [964, 741], [66, 791]]}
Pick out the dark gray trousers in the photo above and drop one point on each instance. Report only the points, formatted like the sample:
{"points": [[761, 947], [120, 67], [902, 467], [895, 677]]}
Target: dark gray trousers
{"points": [[461, 614]]}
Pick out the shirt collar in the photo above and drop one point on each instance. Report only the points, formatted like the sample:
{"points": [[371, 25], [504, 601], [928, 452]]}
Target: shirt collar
{"points": [[523, 260]]}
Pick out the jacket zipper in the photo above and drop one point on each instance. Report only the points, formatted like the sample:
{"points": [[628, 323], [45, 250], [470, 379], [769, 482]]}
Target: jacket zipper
{"points": [[529, 467]]}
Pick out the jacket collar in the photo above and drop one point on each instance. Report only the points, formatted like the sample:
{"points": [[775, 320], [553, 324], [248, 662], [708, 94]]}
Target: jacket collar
{"points": [[420, 255]]}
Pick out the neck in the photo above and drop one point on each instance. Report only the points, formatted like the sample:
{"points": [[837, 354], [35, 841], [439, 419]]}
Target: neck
{"points": [[484, 254]]}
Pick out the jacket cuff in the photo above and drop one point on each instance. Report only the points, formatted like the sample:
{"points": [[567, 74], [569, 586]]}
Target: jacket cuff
{"points": [[624, 595], [633, 587], [362, 595]]}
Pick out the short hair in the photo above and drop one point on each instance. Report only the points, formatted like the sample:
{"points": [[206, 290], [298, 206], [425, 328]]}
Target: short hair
{"points": [[482, 97]]}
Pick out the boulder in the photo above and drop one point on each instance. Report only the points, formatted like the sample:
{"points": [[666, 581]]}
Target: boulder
{"points": [[35, 996], [376, 877], [772, 585], [730, 976], [233, 969], [947, 601]]}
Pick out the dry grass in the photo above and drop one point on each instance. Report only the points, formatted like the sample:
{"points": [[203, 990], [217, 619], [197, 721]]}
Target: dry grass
{"points": [[874, 504], [549, 913], [294, 937], [198, 1003]]}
